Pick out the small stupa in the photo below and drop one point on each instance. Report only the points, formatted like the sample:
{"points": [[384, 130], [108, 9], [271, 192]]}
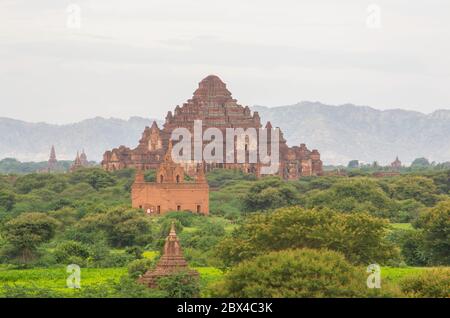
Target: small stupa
{"points": [[172, 261]]}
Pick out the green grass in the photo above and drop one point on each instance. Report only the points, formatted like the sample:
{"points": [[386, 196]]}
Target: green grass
{"points": [[150, 254], [402, 226], [55, 278], [395, 274], [208, 275]]}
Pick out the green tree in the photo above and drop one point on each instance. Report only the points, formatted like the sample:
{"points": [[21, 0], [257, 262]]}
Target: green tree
{"points": [[69, 251], [97, 178], [270, 193], [354, 195], [430, 283], [435, 224], [420, 163], [27, 231], [352, 164], [419, 188], [7, 200], [122, 226], [294, 273], [180, 285], [359, 236]]}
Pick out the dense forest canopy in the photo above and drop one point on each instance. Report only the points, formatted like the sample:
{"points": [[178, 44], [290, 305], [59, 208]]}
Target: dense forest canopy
{"points": [[50, 220]]}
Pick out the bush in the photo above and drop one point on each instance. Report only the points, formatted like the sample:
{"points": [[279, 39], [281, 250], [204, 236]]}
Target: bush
{"points": [[179, 285], [7, 200], [122, 226], [27, 231], [70, 251], [270, 193], [354, 195], [294, 273], [435, 225], [430, 283], [138, 267], [359, 236]]}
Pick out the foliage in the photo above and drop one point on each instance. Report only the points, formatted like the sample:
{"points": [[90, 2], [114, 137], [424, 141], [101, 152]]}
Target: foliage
{"points": [[179, 285], [294, 273], [359, 236], [97, 178], [69, 252], [138, 267], [435, 224], [270, 193], [222, 177], [27, 231], [430, 283], [7, 200], [419, 188], [354, 195], [122, 226], [420, 162]]}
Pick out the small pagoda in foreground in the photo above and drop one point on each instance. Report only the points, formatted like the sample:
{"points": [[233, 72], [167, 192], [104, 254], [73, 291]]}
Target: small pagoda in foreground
{"points": [[172, 261]]}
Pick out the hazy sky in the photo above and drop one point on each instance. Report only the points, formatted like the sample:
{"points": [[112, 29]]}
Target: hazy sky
{"points": [[144, 57]]}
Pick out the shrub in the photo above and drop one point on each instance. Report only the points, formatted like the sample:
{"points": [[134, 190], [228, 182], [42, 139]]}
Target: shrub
{"points": [[179, 285], [27, 231], [430, 283], [359, 236], [294, 273], [138, 267], [435, 225], [270, 193], [70, 251], [122, 226]]}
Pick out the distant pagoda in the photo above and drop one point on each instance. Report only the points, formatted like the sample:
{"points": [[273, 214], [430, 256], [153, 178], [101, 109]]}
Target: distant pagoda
{"points": [[80, 161], [52, 162], [172, 261], [83, 159], [396, 164]]}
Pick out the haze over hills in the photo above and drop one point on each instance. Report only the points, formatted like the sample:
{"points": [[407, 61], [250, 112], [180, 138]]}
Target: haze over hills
{"points": [[340, 133]]}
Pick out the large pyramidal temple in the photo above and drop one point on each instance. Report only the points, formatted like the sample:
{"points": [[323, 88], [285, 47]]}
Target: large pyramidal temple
{"points": [[172, 261], [212, 103]]}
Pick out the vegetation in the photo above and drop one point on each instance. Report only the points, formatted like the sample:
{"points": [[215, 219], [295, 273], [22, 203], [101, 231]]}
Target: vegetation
{"points": [[294, 273], [261, 232], [430, 283]]}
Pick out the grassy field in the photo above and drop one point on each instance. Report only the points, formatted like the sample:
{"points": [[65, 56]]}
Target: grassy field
{"points": [[402, 226], [394, 274], [55, 278]]}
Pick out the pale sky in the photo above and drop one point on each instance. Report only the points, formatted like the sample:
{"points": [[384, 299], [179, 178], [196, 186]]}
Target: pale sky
{"points": [[143, 57]]}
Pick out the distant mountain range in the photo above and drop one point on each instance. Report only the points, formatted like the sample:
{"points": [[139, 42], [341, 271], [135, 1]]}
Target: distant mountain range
{"points": [[340, 133]]}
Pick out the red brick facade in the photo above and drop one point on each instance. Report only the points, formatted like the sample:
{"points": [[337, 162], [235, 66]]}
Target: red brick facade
{"points": [[170, 192], [213, 104]]}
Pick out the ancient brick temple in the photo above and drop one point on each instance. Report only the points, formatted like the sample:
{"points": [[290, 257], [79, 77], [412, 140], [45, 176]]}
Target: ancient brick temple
{"points": [[172, 261], [171, 192], [213, 104], [52, 161], [396, 164], [79, 162]]}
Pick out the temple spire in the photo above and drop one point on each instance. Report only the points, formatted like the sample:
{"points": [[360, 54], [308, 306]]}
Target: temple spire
{"points": [[168, 156], [172, 261], [52, 155]]}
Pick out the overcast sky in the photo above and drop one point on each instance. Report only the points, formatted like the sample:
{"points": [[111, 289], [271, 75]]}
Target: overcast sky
{"points": [[143, 57]]}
